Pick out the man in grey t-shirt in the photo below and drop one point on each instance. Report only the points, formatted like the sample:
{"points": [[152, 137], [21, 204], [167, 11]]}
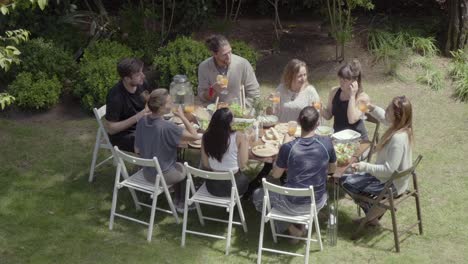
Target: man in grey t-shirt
{"points": [[235, 69]]}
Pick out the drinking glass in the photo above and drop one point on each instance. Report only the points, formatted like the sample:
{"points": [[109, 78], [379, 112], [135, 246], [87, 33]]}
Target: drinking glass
{"points": [[363, 108], [223, 81], [318, 105], [292, 127]]}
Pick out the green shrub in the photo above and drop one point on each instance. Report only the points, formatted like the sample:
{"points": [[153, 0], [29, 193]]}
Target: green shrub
{"points": [[459, 74], [184, 54], [35, 91], [39, 55], [424, 46], [389, 48], [98, 73], [431, 77], [246, 51]]}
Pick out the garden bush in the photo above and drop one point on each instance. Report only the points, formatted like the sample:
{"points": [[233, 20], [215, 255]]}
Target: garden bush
{"points": [[459, 74], [39, 55], [35, 90], [98, 72], [184, 54]]}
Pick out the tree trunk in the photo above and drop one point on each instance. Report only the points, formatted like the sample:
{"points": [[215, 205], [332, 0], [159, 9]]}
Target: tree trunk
{"points": [[457, 33]]}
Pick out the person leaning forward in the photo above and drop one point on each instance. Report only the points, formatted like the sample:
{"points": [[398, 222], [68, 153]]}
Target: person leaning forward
{"points": [[237, 70], [126, 104]]}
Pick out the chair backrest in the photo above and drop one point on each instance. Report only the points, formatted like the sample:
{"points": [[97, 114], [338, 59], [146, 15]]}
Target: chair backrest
{"points": [[209, 174], [375, 136], [99, 114], [288, 191], [124, 157], [399, 174]]}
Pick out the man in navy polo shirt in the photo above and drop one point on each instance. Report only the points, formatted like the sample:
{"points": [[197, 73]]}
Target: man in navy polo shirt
{"points": [[307, 161]]}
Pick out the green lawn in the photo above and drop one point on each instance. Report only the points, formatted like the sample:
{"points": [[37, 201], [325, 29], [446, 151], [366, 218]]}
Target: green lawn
{"points": [[49, 213]]}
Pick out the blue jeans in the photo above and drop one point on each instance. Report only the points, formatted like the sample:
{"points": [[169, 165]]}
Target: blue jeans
{"points": [[363, 183]]}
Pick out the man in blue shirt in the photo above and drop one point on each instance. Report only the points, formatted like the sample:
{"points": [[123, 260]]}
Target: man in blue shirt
{"points": [[307, 161]]}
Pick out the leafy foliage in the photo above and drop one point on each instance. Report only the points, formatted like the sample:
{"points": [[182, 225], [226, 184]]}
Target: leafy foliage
{"points": [[97, 71], [8, 53], [393, 48], [35, 91], [180, 56], [39, 55], [459, 74], [5, 100], [184, 54]]}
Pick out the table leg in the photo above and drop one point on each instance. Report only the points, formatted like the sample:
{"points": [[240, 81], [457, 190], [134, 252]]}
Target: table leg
{"points": [[333, 217]]}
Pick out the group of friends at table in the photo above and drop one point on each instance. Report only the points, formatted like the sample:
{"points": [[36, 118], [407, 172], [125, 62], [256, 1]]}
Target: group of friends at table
{"points": [[135, 123]]}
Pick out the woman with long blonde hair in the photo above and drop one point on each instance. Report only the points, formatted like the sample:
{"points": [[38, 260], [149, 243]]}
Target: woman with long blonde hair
{"points": [[394, 152]]}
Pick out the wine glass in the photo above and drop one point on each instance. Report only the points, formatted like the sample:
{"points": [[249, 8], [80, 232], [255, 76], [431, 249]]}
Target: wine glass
{"points": [[362, 106], [318, 105]]}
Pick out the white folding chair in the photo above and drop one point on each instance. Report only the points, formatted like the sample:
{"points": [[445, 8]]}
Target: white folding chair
{"points": [[102, 142], [204, 197], [272, 214], [138, 182]]}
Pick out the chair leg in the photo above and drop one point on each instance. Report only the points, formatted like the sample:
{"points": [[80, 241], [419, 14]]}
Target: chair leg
{"points": [[95, 152], [394, 225], [228, 239], [241, 213], [418, 211], [262, 231], [317, 229], [171, 205], [309, 236], [114, 206], [273, 231], [153, 213], [184, 223]]}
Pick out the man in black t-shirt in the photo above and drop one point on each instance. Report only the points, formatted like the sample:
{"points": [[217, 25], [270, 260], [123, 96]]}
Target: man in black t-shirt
{"points": [[126, 104]]}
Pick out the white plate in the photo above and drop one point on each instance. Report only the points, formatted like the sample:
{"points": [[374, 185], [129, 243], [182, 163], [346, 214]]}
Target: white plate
{"points": [[265, 151], [346, 135]]}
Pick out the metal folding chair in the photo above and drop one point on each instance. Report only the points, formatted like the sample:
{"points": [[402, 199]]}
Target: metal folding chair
{"points": [[102, 142], [270, 214], [202, 196], [138, 182]]}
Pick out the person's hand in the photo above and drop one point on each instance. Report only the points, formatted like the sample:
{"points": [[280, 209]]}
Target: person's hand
{"points": [[217, 87], [143, 113], [371, 107], [354, 88], [357, 166], [179, 113]]}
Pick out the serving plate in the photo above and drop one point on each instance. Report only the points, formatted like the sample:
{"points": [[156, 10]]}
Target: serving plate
{"points": [[265, 151]]}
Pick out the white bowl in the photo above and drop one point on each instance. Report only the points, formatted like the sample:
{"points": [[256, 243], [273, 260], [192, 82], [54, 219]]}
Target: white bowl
{"points": [[324, 131], [346, 135]]}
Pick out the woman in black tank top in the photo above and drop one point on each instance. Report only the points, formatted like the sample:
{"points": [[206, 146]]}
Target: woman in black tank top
{"points": [[342, 101]]}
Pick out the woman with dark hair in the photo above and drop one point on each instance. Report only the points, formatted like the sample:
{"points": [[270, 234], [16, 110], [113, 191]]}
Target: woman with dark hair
{"points": [[224, 149], [343, 100], [394, 152]]}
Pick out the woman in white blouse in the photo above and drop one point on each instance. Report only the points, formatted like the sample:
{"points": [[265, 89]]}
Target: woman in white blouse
{"points": [[394, 152], [295, 94], [295, 91]]}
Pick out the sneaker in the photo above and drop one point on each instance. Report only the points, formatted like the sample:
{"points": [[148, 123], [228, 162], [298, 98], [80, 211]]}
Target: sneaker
{"points": [[180, 207]]}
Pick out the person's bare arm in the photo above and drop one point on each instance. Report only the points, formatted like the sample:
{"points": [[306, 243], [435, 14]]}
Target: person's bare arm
{"points": [[327, 110], [189, 133], [277, 172], [204, 158], [331, 168], [115, 127], [243, 149], [353, 112]]}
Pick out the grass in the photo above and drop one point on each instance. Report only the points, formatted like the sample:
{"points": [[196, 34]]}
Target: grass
{"points": [[49, 213]]}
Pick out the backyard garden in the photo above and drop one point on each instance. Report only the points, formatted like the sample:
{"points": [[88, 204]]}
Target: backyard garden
{"points": [[58, 61]]}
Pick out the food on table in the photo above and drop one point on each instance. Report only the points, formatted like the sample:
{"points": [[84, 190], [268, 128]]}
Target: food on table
{"points": [[267, 120], [282, 128], [223, 105], [324, 131], [272, 136], [202, 113], [344, 152], [266, 150], [236, 110], [240, 126]]}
